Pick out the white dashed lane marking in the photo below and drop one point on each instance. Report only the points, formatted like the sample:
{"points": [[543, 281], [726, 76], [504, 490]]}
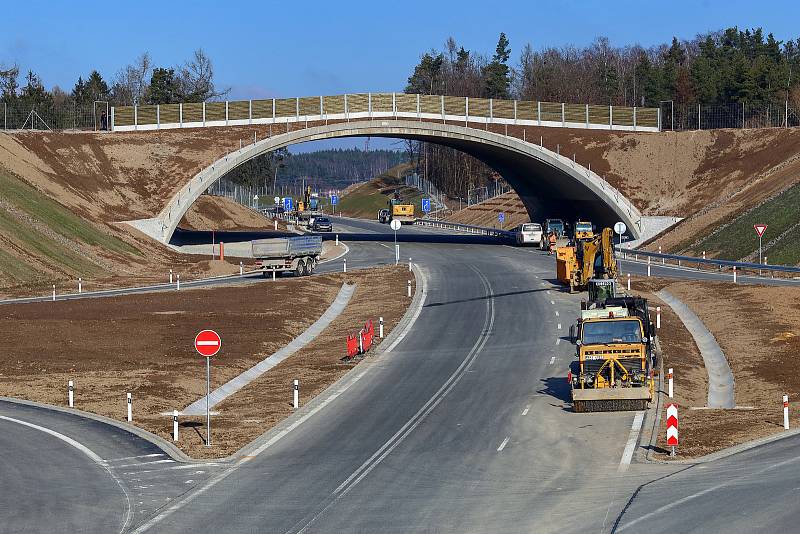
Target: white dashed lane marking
{"points": [[503, 445]]}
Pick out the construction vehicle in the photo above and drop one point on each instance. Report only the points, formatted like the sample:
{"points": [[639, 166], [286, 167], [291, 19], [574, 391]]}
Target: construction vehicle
{"points": [[586, 259], [287, 254], [553, 226], [613, 368], [582, 230], [384, 216], [308, 207], [401, 212]]}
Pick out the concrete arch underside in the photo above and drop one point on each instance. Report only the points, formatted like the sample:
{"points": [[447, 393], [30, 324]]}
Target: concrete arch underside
{"points": [[550, 185]]}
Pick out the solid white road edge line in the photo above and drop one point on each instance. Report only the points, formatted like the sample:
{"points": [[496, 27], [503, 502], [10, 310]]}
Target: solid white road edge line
{"points": [[88, 452], [503, 445], [630, 446], [222, 476], [346, 251]]}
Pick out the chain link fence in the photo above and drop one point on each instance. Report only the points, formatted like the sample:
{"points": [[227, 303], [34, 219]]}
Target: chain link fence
{"points": [[734, 115], [19, 116]]}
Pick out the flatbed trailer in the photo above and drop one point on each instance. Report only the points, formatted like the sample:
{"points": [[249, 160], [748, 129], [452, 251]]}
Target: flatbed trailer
{"points": [[299, 255]]}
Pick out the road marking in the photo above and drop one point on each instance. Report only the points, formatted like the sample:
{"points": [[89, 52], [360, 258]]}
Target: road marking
{"points": [[630, 446], [558, 340], [693, 496], [559, 326], [146, 463], [552, 360], [134, 457], [384, 245], [503, 445], [553, 302], [88, 452], [525, 411]]}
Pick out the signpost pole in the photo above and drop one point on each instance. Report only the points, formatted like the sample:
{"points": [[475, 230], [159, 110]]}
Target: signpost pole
{"points": [[396, 249], [759, 253], [208, 395]]}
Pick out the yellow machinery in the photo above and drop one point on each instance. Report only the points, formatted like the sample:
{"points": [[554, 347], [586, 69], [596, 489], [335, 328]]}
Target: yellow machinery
{"points": [[614, 356], [583, 230], [401, 212], [586, 259]]}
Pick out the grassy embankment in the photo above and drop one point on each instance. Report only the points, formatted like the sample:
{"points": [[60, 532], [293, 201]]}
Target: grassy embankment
{"points": [[366, 199]]}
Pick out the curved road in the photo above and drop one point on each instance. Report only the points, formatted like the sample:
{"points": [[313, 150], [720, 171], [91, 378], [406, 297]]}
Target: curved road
{"points": [[463, 427]]}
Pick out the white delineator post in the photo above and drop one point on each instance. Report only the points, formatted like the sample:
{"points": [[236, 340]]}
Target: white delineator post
{"points": [[276, 224], [170, 276], [296, 394], [380, 327], [273, 274], [734, 274], [54, 292], [337, 240], [241, 268], [659, 251], [80, 285], [344, 265], [178, 285], [629, 281], [409, 288], [658, 316], [648, 266], [130, 408], [71, 394], [409, 264], [669, 382], [175, 425], [786, 412]]}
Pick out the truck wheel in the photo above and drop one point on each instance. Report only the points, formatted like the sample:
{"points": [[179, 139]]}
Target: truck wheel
{"points": [[298, 271], [307, 267]]}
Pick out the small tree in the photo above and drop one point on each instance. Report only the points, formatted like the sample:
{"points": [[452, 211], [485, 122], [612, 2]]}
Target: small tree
{"points": [[497, 74]]}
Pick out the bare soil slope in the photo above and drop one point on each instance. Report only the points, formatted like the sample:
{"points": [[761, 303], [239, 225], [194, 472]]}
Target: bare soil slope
{"points": [[220, 213], [485, 213]]}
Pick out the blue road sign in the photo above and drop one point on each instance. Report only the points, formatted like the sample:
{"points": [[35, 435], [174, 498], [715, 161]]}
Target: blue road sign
{"points": [[426, 205], [334, 199], [501, 217], [287, 204]]}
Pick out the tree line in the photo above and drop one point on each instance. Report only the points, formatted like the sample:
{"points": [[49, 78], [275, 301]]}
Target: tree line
{"points": [[722, 68]]}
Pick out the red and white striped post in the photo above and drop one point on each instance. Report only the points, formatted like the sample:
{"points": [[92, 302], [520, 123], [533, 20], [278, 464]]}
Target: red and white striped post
{"points": [[672, 426], [786, 412]]}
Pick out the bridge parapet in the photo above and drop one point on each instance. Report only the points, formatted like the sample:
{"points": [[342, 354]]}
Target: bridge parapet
{"points": [[369, 106]]}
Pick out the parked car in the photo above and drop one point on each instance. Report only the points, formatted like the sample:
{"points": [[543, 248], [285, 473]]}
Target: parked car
{"points": [[528, 234], [321, 224]]}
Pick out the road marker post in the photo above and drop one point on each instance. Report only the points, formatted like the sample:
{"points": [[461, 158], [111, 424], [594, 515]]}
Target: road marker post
{"points": [[208, 343], [669, 382], [629, 281], [734, 274], [658, 317], [786, 412], [296, 394], [659, 251], [174, 425], [273, 274], [241, 269], [337, 240], [344, 265], [221, 251], [276, 224], [648, 266], [672, 427], [704, 254], [54, 292], [80, 285], [409, 265], [409, 288], [380, 327], [71, 394], [178, 286], [170, 276], [130, 408]]}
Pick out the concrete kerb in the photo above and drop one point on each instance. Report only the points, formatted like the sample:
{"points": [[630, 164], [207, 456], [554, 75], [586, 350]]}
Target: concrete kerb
{"points": [[290, 423], [654, 412]]}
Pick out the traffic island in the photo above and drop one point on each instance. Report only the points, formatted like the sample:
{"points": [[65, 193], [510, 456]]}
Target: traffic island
{"points": [[143, 344], [754, 326]]}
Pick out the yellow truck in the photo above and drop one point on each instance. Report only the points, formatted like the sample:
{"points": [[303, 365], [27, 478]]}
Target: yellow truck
{"points": [[401, 212], [583, 230], [586, 259]]}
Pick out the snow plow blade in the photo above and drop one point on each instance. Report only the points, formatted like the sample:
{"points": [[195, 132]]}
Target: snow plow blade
{"points": [[610, 400]]}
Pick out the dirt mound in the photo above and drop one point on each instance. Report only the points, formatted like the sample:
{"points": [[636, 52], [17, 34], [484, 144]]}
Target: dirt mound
{"points": [[220, 213], [485, 213]]}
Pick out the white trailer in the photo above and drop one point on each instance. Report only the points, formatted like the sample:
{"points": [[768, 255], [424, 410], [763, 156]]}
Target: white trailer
{"points": [[281, 254]]}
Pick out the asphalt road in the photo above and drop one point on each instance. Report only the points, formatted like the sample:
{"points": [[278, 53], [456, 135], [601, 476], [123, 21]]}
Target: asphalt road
{"points": [[463, 427]]}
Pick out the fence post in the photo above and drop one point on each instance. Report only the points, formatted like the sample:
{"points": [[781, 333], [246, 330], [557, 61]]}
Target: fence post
{"points": [[587, 116], [634, 118], [539, 114], [698, 116], [610, 117], [135, 117], [158, 116], [226, 113], [563, 115], [204, 114]]}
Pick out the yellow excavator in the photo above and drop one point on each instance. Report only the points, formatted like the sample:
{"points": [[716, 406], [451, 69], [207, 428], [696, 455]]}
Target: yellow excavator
{"points": [[587, 258]]}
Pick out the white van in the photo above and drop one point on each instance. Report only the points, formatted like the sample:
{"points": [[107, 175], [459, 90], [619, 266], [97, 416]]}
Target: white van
{"points": [[528, 233]]}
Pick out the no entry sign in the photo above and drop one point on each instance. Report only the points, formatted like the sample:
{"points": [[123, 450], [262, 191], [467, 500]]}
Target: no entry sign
{"points": [[760, 229], [207, 342]]}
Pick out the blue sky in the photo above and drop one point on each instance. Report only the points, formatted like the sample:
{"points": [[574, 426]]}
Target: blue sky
{"points": [[268, 48]]}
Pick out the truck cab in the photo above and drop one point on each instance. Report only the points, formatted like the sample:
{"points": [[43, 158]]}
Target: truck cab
{"points": [[583, 230]]}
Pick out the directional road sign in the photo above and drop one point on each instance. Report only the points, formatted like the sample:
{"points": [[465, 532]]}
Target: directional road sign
{"points": [[277, 200], [334, 199], [760, 229], [287, 204], [426, 205], [207, 343], [501, 217], [672, 424]]}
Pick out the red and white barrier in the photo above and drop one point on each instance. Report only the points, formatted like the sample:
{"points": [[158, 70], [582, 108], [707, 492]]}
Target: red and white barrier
{"points": [[672, 426]]}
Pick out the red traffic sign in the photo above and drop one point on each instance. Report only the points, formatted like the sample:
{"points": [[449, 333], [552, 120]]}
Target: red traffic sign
{"points": [[672, 424], [207, 342], [760, 229]]}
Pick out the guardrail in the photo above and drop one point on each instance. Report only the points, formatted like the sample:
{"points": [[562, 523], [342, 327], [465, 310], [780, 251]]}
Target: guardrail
{"points": [[698, 263], [355, 106], [475, 230]]}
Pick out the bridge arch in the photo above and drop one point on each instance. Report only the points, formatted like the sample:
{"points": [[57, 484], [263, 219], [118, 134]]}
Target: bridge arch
{"points": [[550, 185]]}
